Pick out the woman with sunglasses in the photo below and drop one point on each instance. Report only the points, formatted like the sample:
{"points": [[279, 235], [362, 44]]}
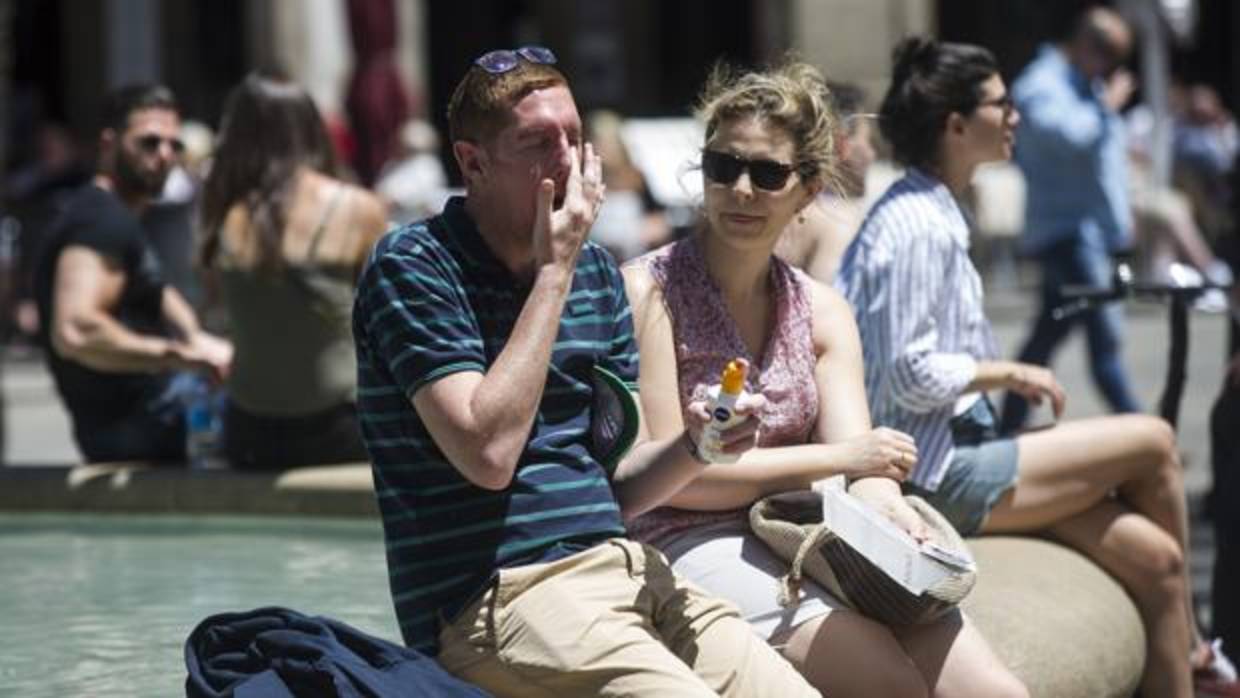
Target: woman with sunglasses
{"points": [[1110, 487], [285, 240], [722, 294]]}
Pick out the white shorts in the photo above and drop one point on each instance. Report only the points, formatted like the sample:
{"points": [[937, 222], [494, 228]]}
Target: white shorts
{"points": [[729, 561]]}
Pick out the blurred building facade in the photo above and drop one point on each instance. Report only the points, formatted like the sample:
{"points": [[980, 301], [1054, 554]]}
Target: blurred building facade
{"points": [[637, 57]]}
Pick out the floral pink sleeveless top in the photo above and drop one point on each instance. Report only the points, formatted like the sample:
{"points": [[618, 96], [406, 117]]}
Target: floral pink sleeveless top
{"points": [[706, 338]]}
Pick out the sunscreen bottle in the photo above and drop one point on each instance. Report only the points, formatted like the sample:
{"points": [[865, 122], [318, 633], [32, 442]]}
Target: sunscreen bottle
{"points": [[722, 414]]}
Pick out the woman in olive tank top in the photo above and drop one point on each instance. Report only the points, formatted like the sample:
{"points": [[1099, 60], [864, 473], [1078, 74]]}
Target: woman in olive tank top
{"points": [[284, 240]]}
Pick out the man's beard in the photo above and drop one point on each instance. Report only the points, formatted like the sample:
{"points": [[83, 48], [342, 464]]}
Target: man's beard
{"points": [[132, 181]]}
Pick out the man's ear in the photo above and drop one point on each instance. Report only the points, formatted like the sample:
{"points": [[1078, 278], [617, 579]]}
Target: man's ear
{"points": [[472, 161]]}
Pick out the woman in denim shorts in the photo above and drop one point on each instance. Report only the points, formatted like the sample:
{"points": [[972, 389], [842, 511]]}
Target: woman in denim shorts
{"points": [[1110, 487]]}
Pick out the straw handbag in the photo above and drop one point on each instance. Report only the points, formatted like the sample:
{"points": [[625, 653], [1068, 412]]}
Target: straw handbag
{"points": [[790, 523]]}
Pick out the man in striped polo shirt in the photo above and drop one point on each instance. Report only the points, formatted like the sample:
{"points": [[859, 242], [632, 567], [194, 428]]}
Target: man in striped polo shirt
{"points": [[480, 333]]}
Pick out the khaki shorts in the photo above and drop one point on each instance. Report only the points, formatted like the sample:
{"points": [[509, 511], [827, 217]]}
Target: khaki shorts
{"points": [[613, 620]]}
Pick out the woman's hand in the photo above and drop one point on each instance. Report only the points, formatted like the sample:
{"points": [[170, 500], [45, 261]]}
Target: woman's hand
{"points": [[881, 452], [738, 438], [890, 503], [204, 352], [1036, 383]]}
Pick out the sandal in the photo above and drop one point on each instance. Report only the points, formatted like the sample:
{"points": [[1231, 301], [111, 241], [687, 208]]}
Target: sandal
{"points": [[1216, 677]]}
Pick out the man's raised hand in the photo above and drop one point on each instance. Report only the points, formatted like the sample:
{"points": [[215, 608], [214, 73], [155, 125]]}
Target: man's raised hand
{"points": [[560, 232]]}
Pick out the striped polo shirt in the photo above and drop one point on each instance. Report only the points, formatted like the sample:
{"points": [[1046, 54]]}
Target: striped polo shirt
{"points": [[433, 300], [918, 302]]}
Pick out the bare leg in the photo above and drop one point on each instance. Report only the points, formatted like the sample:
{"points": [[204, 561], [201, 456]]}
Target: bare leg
{"points": [[846, 654], [1157, 244], [1171, 232], [1187, 236], [957, 662], [1150, 566], [1067, 470], [1068, 474]]}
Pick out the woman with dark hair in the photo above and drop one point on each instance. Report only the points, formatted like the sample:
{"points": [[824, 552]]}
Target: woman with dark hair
{"points": [[1110, 487], [721, 294], [284, 241]]}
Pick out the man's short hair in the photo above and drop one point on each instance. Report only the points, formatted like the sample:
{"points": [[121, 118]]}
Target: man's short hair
{"points": [[124, 101], [481, 104]]}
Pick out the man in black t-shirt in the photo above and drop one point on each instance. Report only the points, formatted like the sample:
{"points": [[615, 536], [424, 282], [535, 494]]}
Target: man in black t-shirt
{"points": [[115, 334]]}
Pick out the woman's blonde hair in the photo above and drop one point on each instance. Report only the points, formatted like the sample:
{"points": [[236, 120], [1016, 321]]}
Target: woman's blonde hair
{"points": [[792, 95]]}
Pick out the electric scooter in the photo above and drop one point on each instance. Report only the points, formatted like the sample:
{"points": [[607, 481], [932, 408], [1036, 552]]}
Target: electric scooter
{"points": [[1180, 294]]}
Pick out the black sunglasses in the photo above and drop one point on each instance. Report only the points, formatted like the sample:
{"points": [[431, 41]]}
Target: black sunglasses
{"points": [[150, 143], [504, 60], [725, 168]]}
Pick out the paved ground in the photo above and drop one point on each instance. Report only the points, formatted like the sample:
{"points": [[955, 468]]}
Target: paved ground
{"points": [[38, 430]]}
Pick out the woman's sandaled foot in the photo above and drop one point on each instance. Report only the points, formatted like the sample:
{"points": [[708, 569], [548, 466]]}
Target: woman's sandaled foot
{"points": [[1214, 674]]}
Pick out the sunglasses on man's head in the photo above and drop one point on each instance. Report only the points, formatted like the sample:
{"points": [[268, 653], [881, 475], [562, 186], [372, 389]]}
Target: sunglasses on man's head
{"points": [[504, 60], [150, 143], [725, 168]]}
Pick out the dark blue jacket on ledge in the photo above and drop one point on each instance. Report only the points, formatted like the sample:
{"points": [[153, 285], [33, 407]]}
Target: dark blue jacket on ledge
{"points": [[278, 653]]}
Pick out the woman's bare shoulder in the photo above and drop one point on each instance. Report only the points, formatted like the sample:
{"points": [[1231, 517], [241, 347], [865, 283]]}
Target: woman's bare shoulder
{"points": [[318, 186], [831, 314], [645, 297], [640, 286]]}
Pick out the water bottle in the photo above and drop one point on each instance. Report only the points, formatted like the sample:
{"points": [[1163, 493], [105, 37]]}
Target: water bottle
{"points": [[722, 415], [202, 426]]}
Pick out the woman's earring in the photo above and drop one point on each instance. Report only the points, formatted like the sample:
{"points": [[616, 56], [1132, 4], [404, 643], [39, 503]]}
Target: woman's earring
{"points": [[801, 218]]}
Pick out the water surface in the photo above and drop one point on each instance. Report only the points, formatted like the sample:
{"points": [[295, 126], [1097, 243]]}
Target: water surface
{"points": [[101, 605]]}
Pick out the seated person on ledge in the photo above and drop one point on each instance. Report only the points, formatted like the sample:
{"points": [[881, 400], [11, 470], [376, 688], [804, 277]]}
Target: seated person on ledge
{"points": [[720, 294], [285, 240], [478, 332], [1110, 487], [119, 340]]}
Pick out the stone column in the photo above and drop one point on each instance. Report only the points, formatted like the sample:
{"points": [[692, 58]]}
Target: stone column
{"points": [[6, 282], [852, 39], [411, 53], [309, 39], [1155, 79], [6, 74], [133, 49]]}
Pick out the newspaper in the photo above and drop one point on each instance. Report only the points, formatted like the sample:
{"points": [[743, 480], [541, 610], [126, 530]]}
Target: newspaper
{"points": [[915, 566]]}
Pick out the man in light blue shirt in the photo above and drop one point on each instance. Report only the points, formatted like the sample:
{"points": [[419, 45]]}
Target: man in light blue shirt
{"points": [[1071, 147]]}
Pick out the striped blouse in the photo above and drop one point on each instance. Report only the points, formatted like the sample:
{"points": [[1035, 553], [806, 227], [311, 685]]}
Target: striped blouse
{"points": [[918, 302]]}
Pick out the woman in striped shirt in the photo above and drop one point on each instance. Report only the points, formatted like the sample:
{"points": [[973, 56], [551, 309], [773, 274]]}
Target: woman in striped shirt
{"points": [[1110, 487], [722, 294]]}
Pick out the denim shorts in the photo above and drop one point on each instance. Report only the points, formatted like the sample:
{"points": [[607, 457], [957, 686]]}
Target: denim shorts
{"points": [[982, 469]]}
